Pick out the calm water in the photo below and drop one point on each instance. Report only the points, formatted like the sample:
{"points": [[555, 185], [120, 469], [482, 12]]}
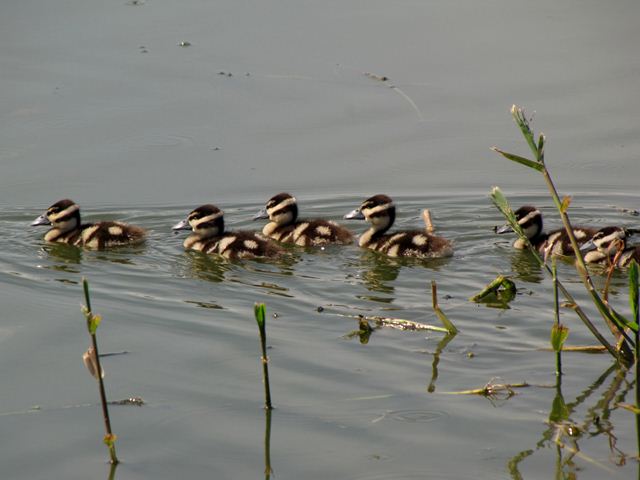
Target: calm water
{"points": [[101, 104]]}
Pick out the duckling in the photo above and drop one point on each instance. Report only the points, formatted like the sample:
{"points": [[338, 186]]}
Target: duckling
{"points": [[605, 244], [209, 236], [554, 243], [64, 217], [380, 212], [284, 226]]}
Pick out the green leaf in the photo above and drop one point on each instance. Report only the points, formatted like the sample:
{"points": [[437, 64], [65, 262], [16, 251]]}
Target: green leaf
{"points": [[110, 439], [559, 411], [518, 159], [559, 334], [523, 123], [259, 310], [501, 203], [94, 322], [566, 201], [541, 142], [621, 321]]}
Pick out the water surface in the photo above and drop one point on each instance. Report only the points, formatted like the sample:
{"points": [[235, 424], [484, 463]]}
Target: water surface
{"points": [[101, 104]]}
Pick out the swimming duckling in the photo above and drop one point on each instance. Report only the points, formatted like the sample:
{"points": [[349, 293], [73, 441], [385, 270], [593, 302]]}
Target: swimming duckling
{"points": [[553, 243], [64, 217], [209, 236], [380, 212], [605, 245], [284, 226]]}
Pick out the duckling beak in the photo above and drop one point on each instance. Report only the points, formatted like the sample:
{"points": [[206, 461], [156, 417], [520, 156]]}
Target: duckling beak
{"points": [[354, 215], [261, 214], [183, 225], [588, 246], [504, 229], [41, 220]]}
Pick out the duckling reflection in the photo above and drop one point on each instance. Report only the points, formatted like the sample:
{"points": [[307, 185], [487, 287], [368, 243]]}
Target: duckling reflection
{"points": [[379, 272], [526, 267], [211, 268], [65, 254]]}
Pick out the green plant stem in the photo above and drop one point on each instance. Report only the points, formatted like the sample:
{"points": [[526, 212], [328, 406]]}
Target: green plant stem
{"points": [[260, 315], [626, 354], [267, 444], [556, 307], [103, 395]]}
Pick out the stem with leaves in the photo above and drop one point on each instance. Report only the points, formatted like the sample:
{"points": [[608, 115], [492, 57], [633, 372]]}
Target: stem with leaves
{"points": [[625, 354], [93, 321], [502, 204]]}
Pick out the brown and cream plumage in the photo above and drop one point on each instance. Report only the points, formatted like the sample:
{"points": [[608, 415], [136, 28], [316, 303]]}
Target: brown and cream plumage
{"points": [[209, 236], [380, 212], [64, 218], [284, 225]]}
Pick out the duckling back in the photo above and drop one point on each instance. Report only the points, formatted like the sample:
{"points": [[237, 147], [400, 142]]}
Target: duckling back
{"points": [[411, 243], [110, 234]]}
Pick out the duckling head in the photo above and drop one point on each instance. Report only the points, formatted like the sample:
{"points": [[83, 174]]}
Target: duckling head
{"points": [[63, 215], [205, 221], [607, 240], [281, 209], [378, 210], [530, 220]]}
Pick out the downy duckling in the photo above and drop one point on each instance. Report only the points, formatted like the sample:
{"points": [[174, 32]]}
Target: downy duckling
{"points": [[284, 226], [64, 217], [380, 212], [209, 236], [553, 243], [605, 244]]}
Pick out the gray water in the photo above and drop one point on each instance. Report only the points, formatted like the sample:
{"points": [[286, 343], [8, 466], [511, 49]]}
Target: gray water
{"points": [[101, 104]]}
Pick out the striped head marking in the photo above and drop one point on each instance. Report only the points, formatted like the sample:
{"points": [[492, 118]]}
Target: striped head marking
{"points": [[379, 211], [205, 221], [609, 238], [282, 209], [63, 215], [530, 220]]}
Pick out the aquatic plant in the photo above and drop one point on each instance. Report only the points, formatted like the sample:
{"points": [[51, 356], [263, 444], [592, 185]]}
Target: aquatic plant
{"points": [[559, 332], [499, 292], [623, 353], [92, 361], [259, 311]]}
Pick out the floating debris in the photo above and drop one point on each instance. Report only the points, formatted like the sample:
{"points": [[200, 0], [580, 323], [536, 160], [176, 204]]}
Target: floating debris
{"points": [[131, 401], [494, 390], [498, 293], [629, 211], [225, 74], [379, 78]]}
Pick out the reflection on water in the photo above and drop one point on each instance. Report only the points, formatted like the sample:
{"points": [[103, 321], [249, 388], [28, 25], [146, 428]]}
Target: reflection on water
{"points": [[566, 433], [379, 272], [63, 253], [526, 267], [211, 268]]}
